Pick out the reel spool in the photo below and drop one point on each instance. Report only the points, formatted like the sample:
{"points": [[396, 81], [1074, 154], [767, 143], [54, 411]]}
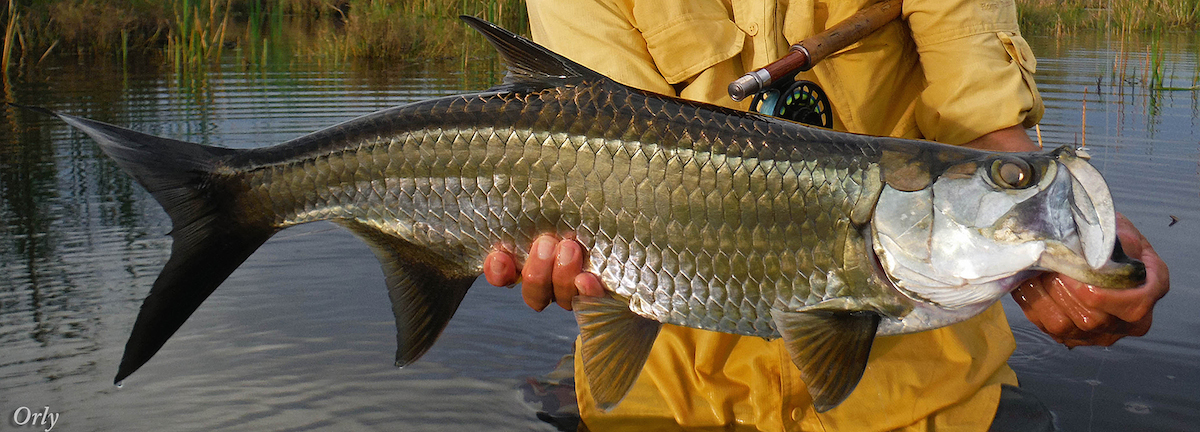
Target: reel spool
{"points": [[802, 101]]}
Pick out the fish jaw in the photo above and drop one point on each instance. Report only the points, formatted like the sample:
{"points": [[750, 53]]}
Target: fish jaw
{"points": [[1092, 255], [958, 245], [1092, 208]]}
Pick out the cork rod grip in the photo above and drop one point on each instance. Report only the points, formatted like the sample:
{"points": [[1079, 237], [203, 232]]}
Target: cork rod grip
{"points": [[853, 29], [806, 53]]}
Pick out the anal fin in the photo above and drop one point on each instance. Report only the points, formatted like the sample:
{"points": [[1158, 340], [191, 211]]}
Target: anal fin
{"points": [[615, 345], [424, 288], [830, 347]]}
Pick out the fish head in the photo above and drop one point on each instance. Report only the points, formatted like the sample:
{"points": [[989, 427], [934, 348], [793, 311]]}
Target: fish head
{"points": [[984, 223]]}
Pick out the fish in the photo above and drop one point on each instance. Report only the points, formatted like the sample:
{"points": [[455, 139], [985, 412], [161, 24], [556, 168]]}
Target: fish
{"points": [[691, 214]]}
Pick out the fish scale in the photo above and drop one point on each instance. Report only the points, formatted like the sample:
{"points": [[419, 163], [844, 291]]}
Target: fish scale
{"points": [[726, 228], [691, 214]]}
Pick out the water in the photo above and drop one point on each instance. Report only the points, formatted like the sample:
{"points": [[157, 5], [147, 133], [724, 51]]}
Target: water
{"points": [[301, 337], [1147, 145]]}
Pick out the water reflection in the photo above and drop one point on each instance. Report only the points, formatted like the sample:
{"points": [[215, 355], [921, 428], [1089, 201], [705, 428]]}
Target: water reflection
{"points": [[1143, 139], [80, 245], [302, 335], [67, 211], [1134, 77]]}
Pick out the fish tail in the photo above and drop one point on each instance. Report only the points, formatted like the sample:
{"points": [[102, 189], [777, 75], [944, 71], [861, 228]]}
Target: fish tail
{"points": [[210, 240]]}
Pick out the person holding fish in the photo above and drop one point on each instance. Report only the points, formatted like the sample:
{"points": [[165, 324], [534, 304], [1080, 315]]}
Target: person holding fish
{"points": [[956, 72], [873, 259]]}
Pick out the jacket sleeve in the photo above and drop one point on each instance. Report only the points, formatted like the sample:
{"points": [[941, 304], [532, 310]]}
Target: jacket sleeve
{"points": [[682, 49], [603, 38], [978, 69]]}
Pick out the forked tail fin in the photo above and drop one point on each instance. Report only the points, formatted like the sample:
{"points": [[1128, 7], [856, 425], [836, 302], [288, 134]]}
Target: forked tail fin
{"points": [[209, 240]]}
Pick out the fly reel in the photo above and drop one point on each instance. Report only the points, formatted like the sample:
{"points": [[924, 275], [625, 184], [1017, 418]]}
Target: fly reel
{"points": [[798, 101]]}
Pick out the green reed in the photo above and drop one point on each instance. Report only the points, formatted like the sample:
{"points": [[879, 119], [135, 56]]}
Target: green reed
{"points": [[1156, 55], [421, 28], [186, 33], [1064, 16], [198, 32], [10, 36]]}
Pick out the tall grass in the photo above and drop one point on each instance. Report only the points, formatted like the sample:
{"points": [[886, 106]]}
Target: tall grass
{"points": [[10, 35], [198, 33], [430, 28], [1064, 16], [191, 32], [97, 27], [1142, 15]]}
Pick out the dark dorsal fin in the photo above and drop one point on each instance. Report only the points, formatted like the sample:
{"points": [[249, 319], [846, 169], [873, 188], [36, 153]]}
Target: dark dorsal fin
{"points": [[530, 65]]}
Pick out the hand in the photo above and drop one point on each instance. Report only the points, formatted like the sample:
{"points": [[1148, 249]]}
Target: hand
{"points": [[1077, 314], [552, 273]]}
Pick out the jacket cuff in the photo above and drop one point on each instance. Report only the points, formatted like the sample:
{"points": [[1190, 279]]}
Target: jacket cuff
{"points": [[977, 84]]}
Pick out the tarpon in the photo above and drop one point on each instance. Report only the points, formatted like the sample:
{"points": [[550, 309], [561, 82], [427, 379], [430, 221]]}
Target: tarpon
{"points": [[691, 214]]}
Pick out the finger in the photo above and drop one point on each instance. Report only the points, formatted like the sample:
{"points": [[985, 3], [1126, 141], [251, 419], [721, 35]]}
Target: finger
{"points": [[1025, 296], [1029, 296], [1042, 311], [536, 281], [1102, 332], [1111, 333], [589, 285], [1105, 339], [1133, 304], [1126, 305], [499, 269], [1142, 327], [568, 264], [1084, 318]]}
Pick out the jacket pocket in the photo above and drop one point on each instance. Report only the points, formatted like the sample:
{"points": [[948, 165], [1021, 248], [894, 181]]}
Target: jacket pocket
{"points": [[686, 46]]}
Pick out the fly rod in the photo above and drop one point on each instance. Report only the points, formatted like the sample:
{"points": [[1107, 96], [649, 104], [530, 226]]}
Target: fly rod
{"points": [[806, 53]]}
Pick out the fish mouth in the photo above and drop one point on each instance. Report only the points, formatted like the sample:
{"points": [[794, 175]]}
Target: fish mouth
{"points": [[1097, 258], [1119, 271]]}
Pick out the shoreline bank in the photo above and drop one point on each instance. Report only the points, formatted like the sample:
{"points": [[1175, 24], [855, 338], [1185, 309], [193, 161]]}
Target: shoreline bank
{"points": [[194, 32]]}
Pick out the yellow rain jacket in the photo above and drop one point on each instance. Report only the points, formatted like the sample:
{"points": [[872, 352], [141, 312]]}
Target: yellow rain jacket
{"points": [[950, 71]]}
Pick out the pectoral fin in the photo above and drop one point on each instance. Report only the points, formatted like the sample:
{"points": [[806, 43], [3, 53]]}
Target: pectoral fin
{"points": [[615, 345], [830, 348], [424, 289]]}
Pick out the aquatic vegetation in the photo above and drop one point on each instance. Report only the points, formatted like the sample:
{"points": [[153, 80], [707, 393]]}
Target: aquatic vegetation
{"points": [[188, 32], [10, 32], [1063, 16], [197, 35]]}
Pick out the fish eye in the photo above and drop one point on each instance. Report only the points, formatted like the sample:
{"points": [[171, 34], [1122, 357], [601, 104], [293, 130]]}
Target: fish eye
{"points": [[1011, 173]]}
